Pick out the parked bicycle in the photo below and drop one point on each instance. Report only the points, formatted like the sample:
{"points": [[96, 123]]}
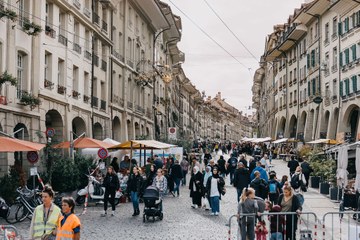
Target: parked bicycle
{"points": [[29, 200]]}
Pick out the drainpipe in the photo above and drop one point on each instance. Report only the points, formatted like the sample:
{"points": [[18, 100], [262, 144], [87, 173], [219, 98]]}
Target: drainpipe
{"points": [[339, 71], [111, 77], [92, 75]]}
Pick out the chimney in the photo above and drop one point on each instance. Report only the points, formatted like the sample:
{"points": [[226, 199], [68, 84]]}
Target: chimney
{"points": [[219, 95]]}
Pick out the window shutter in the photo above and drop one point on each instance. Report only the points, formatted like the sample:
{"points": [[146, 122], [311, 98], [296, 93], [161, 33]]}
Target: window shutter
{"points": [[340, 59], [313, 86], [353, 48], [346, 27], [313, 58], [340, 28], [347, 86], [309, 89], [354, 83], [341, 88], [347, 57], [308, 60]]}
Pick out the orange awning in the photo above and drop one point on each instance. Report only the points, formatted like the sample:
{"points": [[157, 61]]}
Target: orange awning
{"points": [[84, 142], [15, 145]]}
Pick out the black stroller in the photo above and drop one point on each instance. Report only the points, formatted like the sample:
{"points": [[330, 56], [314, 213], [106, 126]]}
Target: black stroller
{"points": [[153, 204]]}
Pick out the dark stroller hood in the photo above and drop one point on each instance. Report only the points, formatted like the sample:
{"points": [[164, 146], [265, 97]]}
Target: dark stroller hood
{"points": [[151, 192]]}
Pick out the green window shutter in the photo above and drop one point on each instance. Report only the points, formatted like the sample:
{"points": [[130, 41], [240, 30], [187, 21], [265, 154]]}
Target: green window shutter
{"points": [[347, 86], [313, 58], [341, 88], [308, 60], [319, 86], [346, 27], [340, 28], [340, 59], [347, 56], [313, 86], [354, 83], [353, 49], [309, 89]]}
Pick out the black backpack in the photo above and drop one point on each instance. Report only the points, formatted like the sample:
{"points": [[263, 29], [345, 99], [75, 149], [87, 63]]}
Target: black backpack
{"points": [[295, 181]]}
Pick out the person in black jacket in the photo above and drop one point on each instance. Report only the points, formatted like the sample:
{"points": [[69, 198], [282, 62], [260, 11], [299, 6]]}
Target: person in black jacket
{"points": [[241, 179], [222, 166], [260, 186], [176, 175], [134, 186], [290, 203], [292, 165], [306, 170], [111, 184], [196, 187]]}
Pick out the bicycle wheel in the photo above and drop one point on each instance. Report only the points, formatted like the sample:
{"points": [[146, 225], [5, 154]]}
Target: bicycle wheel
{"points": [[22, 213], [11, 216]]}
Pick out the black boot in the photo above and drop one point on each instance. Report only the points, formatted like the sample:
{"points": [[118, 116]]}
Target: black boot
{"points": [[134, 214], [137, 211]]}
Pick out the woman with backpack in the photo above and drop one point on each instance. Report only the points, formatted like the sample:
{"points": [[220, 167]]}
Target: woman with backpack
{"points": [[259, 185], [274, 187]]}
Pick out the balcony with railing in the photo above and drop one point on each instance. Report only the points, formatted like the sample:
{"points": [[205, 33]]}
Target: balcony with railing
{"points": [[149, 113], [50, 32], [61, 89], [118, 56], [130, 63], [103, 65], [75, 94], [77, 4], [129, 105], [87, 12], [96, 18], [63, 40], [103, 105], [86, 98], [94, 102], [139, 109], [104, 26], [96, 60], [87, 55], [77, 48]]}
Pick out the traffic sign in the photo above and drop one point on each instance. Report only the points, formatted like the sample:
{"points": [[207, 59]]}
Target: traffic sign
{"points": [[50, 132], [103, 153], [32, 157]]}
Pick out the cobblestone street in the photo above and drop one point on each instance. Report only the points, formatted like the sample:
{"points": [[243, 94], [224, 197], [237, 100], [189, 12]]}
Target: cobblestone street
{"points": [[180, 221]]}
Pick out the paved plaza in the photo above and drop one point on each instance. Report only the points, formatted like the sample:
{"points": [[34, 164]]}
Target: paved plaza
{"points": [[182, 222]]}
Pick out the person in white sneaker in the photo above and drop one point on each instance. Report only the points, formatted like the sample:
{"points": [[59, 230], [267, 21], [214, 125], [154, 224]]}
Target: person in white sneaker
{"points": [[214, 188]]}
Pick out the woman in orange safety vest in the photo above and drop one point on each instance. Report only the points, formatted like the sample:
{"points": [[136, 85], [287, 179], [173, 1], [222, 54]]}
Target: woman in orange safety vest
{"points": [[69, 224]]}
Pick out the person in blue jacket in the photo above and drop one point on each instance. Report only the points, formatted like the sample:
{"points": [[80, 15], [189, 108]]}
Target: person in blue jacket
{"points": [[263, 173]]}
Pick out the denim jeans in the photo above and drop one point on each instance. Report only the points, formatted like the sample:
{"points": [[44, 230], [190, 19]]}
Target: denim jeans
{"points": [[232, 172], [247, 228], [215, 204], [184, 178], [135, 200], [177, 185], [276, 236]]}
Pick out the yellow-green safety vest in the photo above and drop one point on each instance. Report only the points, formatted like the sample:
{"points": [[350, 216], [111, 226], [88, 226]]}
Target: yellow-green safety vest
{"points": [[40, 227]]}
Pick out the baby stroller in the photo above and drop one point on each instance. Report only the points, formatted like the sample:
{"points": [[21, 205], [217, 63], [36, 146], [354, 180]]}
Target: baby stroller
{"points": [[152, 203]]}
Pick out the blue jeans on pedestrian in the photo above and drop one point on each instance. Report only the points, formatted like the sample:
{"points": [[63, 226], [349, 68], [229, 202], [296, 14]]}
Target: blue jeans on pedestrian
{"points": [[135, 200], [215, 204], [177, 185], [184, 178], [276, 236], [239, 192]]}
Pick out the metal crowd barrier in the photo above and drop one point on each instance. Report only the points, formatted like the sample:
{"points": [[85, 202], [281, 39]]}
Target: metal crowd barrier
{"points": [[341, 225], [9, 232], [306, 225]]}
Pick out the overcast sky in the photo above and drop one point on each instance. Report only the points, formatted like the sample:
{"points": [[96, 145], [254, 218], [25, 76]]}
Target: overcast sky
{"points": [[208, 66]]}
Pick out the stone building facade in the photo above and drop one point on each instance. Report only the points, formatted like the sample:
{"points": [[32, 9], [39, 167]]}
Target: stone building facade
{"points": [[309, 72]]}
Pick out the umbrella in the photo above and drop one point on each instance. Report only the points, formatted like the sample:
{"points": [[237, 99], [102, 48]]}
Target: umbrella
{"points": [[357, 165], [14, 145], [341, 172], [84, 142]]}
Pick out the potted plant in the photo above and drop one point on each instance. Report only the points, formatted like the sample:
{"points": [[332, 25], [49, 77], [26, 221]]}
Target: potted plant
{"points": [[29, 99], [316, 163], [6, 77], [31, 28], [10, 14]]}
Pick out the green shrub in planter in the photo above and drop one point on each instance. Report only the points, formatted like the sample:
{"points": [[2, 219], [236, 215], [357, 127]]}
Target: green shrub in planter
{"points": [[10, 182], [64, 175]]}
